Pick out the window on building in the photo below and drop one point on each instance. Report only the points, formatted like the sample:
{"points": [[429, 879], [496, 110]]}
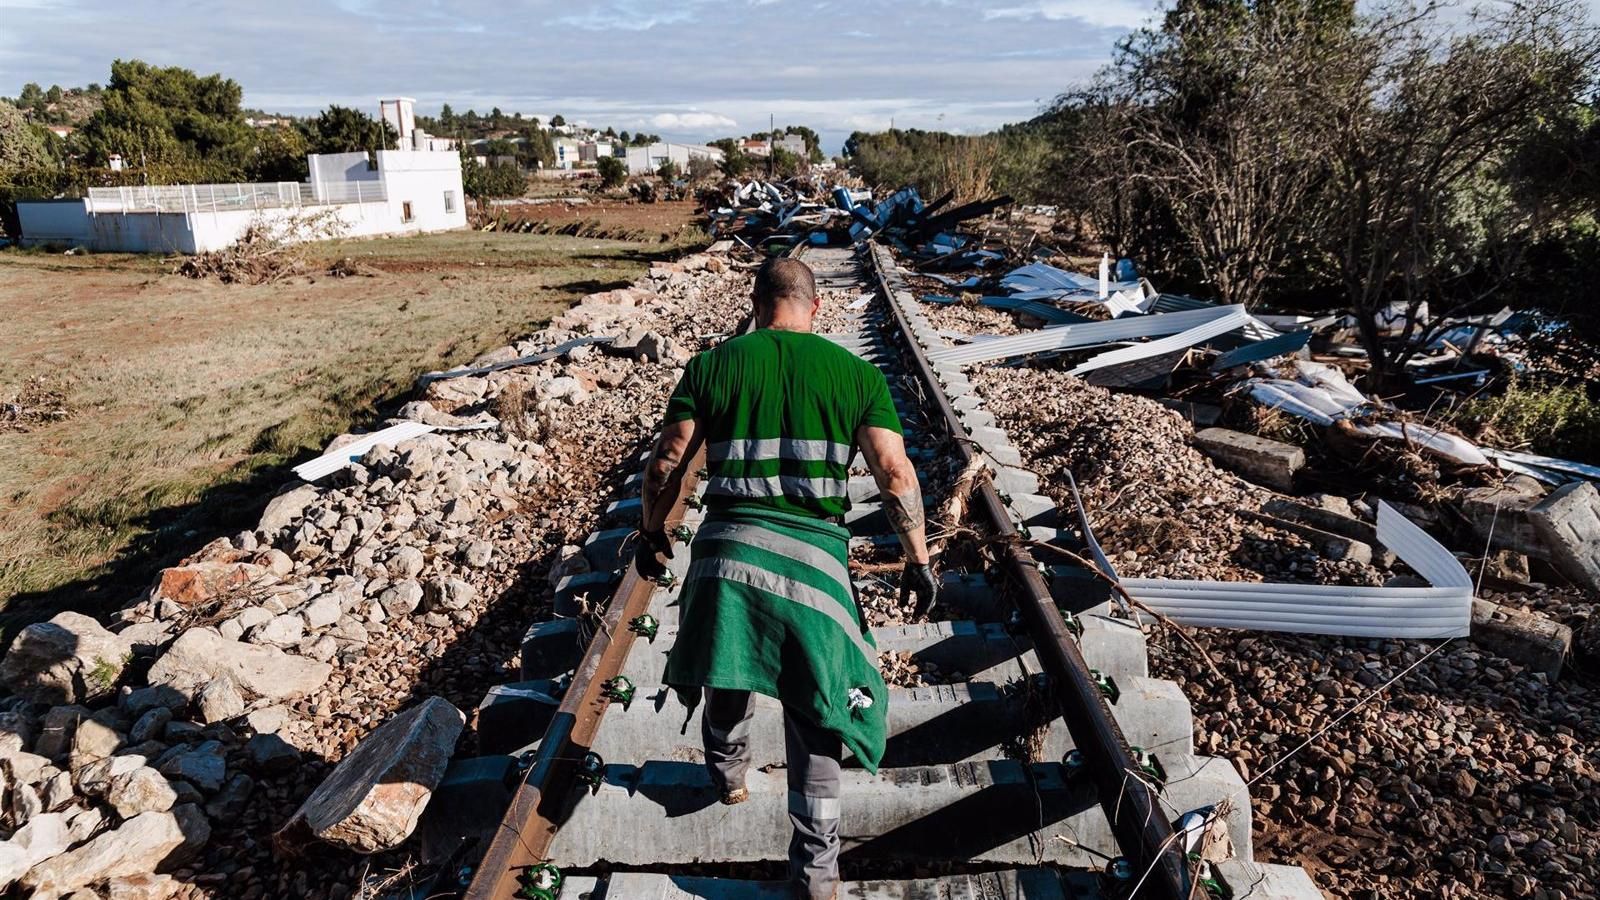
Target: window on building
{"points": [[449, 201], [405, 211]]}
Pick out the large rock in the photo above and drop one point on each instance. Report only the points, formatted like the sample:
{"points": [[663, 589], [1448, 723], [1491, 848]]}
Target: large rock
{"points": [[44, 836], [1499, 514], [68, 659], [457, 392], [280, 631], [202, 581], [373, 798], [96, 777], [204, 767], [286, 509], [140, 791], [1568, 521], [147, 842], [201, 655], [1264, 461], [57, 729], [220, 700]]}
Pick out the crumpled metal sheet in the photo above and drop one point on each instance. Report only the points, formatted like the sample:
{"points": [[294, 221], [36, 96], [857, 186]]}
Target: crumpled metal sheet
{"points": [[1320, 393], [1441, 610], [1087, 334], [1235, 317]]}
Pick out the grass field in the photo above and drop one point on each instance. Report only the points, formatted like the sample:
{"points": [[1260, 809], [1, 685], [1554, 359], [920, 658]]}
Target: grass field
{"points": [[188, 397]]}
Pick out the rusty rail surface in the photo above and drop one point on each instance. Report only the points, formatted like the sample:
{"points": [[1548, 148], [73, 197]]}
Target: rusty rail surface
{"points": [[545, 798]]}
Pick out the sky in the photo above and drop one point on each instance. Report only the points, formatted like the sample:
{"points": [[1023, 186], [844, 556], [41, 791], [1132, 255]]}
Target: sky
{"points": [[689, 70]]}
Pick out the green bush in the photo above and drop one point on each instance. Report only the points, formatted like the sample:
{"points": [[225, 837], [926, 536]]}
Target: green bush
{"points": [[613, 171], [1554, 420]]}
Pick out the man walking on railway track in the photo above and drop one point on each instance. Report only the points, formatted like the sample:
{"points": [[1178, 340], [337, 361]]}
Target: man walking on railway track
{"points": [[767, 605]]}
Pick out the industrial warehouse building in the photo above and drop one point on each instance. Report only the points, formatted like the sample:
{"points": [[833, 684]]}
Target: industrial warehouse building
{"points": [[385, 192]]}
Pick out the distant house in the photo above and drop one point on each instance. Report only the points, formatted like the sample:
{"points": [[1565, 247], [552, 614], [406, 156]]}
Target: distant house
{"points": [[414, 189], [792, 143], [569, 152], [60, 131], [647, 159]]}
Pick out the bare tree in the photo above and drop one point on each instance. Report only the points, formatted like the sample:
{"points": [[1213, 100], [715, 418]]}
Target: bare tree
{"points": [[1213, 126], [1427, 113]]}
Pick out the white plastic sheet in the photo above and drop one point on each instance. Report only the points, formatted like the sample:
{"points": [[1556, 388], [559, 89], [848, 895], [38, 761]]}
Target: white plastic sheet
{"points": [[334, 460]]}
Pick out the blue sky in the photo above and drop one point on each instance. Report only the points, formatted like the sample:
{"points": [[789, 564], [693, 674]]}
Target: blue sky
{"points": [[687, 69]]}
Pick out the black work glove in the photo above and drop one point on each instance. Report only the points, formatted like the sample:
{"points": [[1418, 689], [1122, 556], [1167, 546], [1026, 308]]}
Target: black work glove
{"points": [[918, 580], [653, 545]]}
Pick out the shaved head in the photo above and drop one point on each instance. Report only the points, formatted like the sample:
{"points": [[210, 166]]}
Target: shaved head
{"points": [[781, 280]]}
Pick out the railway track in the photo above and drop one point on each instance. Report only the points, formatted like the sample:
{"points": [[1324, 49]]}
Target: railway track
{"points": [[1052, 767]]}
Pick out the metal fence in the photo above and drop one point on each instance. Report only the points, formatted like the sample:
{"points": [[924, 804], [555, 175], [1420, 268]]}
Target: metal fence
{"points": [[190, 198]]}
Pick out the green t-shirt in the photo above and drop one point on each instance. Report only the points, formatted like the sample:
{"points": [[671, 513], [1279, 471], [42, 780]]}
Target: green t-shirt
{"points": [[779, 411]]}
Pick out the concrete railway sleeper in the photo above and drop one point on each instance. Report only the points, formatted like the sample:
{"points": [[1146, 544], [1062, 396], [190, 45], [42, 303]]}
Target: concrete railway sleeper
{"points": [[1051, 767]]}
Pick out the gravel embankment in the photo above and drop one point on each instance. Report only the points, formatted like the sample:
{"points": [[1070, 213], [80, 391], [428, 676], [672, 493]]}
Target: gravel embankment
{"points": [[1469, 777]]}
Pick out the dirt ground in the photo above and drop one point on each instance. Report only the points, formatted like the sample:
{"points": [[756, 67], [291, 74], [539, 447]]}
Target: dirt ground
{"points": [[668, 219], [173, 399]]}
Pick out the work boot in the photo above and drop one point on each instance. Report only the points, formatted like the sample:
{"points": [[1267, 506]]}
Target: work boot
{"points": [[735, 796]]}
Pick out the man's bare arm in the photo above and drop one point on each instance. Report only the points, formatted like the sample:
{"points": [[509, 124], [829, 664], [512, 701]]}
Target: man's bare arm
{"points": [[885, 453], [663, 474]]}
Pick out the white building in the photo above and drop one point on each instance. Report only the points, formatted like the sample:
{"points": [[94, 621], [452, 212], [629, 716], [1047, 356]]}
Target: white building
{"points": [[380, 193], [647, 159]]}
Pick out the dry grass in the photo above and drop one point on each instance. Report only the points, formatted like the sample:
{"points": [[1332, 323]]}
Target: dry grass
{"points": [[189, 397]]}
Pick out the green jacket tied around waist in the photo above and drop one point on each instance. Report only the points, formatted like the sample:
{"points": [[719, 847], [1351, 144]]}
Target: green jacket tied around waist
{"points": [[767, 606]]}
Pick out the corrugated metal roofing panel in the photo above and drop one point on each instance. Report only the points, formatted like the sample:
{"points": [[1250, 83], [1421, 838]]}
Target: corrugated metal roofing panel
{"points": [[1085, 334]]}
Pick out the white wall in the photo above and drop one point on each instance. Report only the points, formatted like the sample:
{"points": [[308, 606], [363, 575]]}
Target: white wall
{"points": [[420, 179], [423, 179], [68, 223], [329, 168], [63, 222], [646, 160]]}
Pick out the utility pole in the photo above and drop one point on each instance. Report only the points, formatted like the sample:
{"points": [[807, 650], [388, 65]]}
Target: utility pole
{"points": [[772, 145]]}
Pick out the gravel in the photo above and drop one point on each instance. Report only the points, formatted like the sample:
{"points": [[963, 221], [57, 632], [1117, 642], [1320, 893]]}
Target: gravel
{"points": [[1470, 776]]}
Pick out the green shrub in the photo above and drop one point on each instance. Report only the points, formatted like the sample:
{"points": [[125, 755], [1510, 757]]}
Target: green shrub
{"points": [[613, 171], [1554, 420]]}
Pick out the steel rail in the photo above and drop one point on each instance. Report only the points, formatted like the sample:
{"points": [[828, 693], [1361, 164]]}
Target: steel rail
{"points": [[545, 797], [1142, 829]]}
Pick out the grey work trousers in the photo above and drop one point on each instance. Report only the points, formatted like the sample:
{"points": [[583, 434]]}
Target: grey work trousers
{"points": [[813, 783]]}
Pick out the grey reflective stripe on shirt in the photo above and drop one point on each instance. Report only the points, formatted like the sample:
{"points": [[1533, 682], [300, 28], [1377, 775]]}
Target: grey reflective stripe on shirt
{"points": [[780, 544], [789, 589], [778, 486], [801, 449]]}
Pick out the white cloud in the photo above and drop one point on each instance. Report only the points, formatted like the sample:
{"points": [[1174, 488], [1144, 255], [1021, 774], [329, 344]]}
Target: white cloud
{"points": [[691, 121], [1104, 13], [629, 16]]}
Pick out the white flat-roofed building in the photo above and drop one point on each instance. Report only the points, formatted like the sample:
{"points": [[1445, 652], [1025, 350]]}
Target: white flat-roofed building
{"points": [[647, 159], [385, 192]]}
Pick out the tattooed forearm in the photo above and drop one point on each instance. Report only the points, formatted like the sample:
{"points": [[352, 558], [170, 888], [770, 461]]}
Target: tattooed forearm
{"points": [[660, 469], [904, 509]]}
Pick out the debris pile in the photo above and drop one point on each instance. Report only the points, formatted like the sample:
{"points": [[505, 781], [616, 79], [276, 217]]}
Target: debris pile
{"points": [[39, 401], [1479, 761]]}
